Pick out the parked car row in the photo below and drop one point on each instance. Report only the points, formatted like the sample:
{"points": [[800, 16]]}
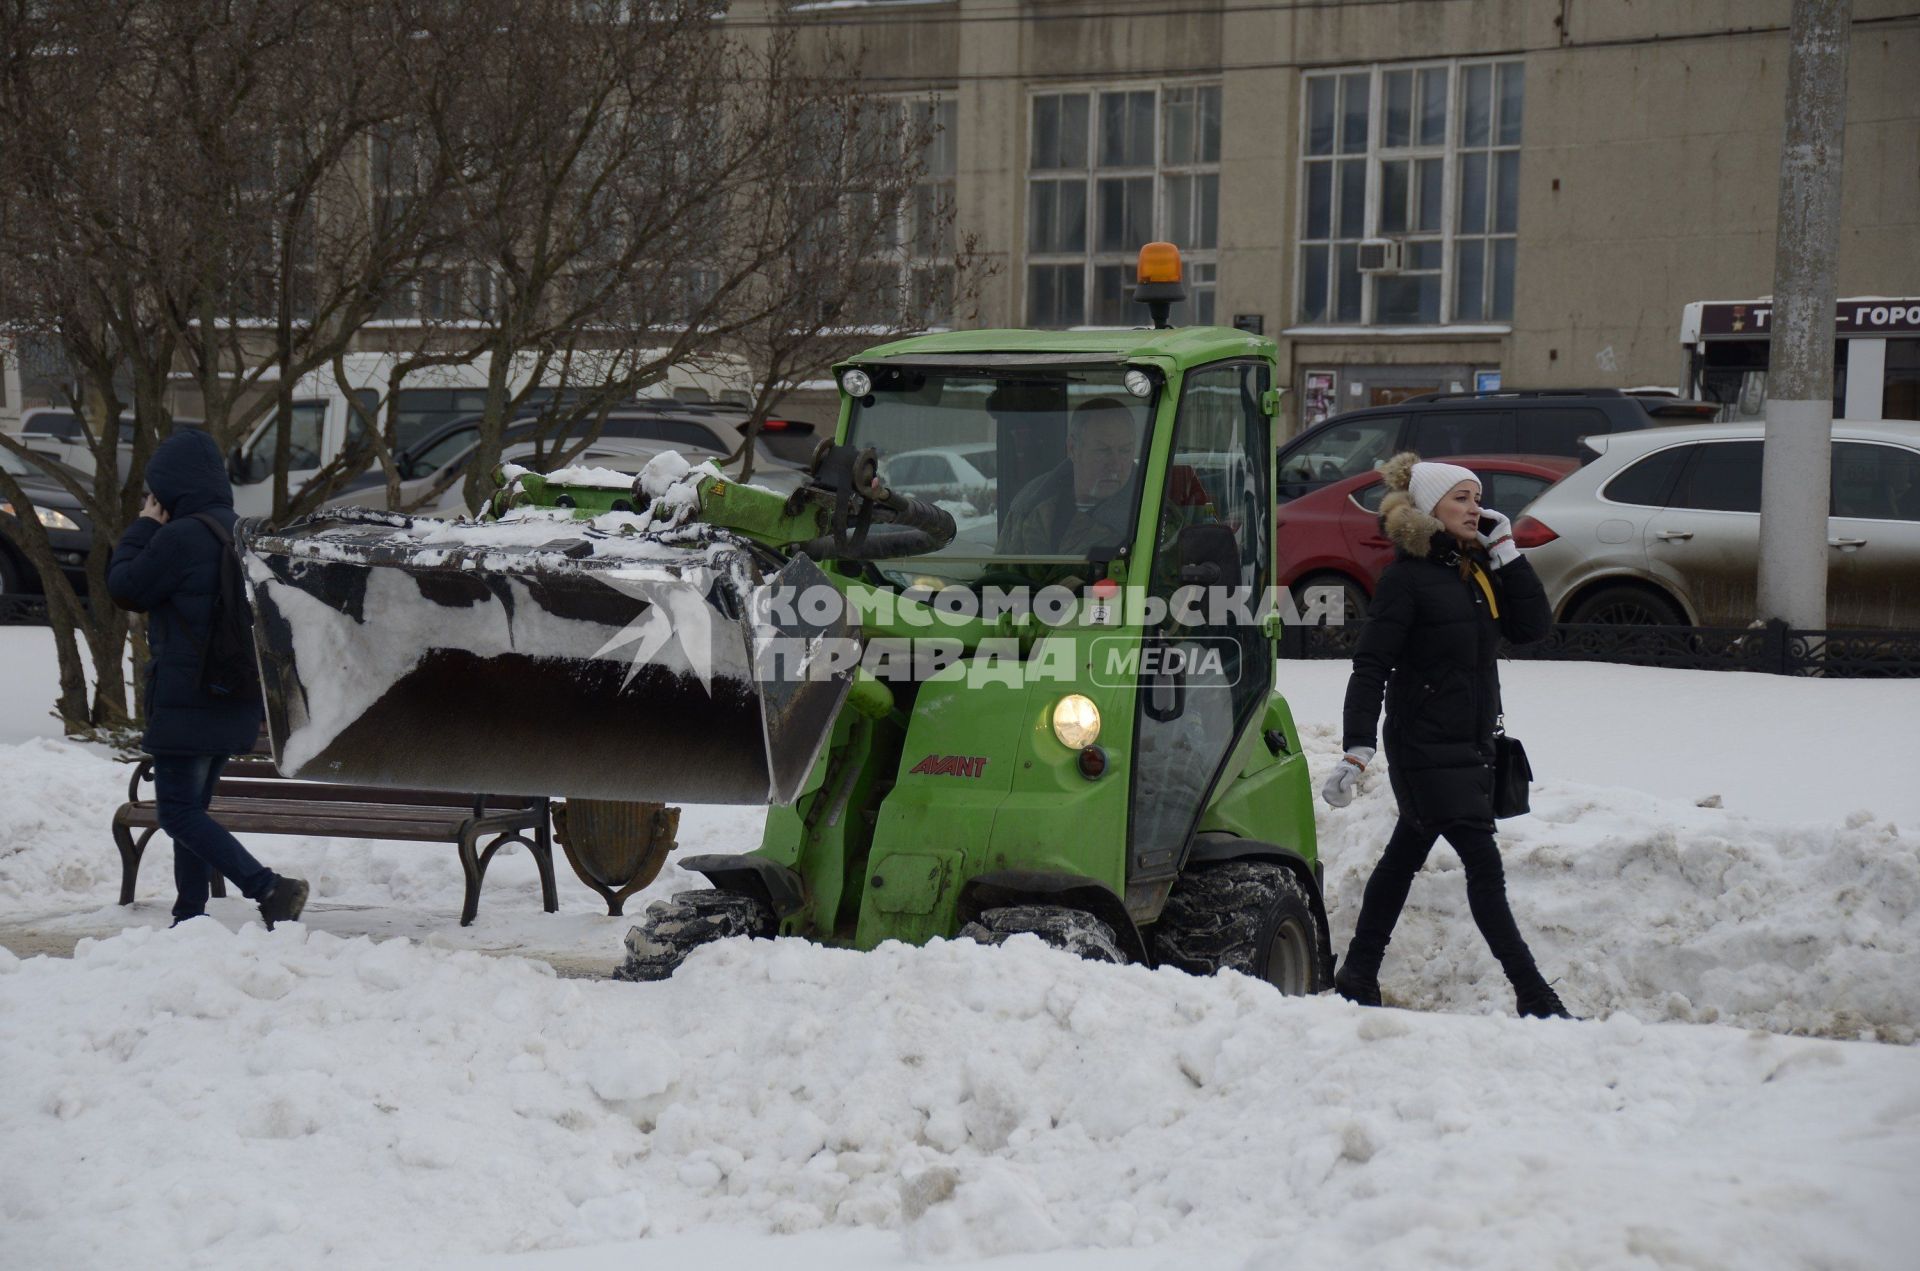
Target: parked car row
{"points": [[1664, 526], [628, 440], [1332, 538], [1646, 525], [1439, 425]]}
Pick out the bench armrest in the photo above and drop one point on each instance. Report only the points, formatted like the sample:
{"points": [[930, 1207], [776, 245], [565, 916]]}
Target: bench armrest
{"points": [[143, 771]]}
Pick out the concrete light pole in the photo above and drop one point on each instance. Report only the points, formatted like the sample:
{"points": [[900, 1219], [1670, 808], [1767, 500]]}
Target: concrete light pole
{"points": [[1794, 476]]}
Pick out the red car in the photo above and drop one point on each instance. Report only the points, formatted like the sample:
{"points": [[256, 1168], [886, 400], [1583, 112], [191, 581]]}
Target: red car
{"points": [[1332, 537]]}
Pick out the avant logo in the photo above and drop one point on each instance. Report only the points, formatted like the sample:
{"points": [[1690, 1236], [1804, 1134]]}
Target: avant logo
{"points": [[952, 766]]}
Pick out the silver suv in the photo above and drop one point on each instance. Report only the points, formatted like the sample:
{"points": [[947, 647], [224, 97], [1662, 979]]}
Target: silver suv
{"points": [[1664, 527]]}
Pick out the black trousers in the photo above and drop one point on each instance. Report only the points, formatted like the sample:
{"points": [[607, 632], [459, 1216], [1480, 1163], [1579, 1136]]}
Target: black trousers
{"points": [[183, 786], [1387, 889]]}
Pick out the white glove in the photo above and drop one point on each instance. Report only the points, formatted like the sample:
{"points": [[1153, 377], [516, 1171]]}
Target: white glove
{"points": [[1499, 540], [1345, 778]]}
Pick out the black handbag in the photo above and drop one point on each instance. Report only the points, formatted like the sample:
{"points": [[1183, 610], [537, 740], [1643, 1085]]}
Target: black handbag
{"points": [[1511, 775]]}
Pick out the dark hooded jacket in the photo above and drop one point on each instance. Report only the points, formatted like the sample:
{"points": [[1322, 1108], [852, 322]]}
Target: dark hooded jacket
{"points": [[1431, 645], [171, 573]]}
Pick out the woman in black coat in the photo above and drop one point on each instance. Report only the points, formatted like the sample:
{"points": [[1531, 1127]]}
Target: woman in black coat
{"points": [[1431, 645], [167, 565]]}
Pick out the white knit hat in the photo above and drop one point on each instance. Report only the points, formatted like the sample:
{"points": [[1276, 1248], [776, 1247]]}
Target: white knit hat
{"points": [[1429, 483]]}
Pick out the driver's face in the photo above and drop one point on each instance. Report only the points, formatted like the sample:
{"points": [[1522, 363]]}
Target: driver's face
{"points": [[1102, 455]]}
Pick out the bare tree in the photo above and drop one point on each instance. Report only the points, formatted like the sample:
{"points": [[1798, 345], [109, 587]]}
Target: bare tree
{"points": [[581, 196], [870, 258], [167, 173], [75, 158], [659, 188]]}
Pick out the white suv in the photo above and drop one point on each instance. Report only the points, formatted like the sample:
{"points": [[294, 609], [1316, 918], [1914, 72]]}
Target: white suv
{"points": [[1664, 527]]}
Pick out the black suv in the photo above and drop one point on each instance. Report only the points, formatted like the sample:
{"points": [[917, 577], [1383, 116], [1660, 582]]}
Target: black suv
{"points": [[1435, 425]]}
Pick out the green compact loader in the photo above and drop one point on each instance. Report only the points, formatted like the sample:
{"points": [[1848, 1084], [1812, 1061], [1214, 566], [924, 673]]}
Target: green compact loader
{"points": [[1004, 664]]}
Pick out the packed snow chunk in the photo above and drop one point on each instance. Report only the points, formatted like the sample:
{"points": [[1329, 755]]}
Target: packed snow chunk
{"points": [[629, 1076], [663, 471], [592, 478], [433, 1083]]}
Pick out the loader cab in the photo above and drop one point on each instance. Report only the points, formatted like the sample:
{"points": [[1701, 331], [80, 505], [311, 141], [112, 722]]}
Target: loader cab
{"points": [[1061, 455], [1179, 688]]}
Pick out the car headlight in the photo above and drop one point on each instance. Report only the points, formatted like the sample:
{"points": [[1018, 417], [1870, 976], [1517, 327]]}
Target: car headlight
{"points": [[46, 516], [1076, 721]]}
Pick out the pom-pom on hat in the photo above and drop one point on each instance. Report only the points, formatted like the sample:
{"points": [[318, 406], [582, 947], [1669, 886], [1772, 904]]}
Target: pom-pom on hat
{"points": [[1425, 483]]}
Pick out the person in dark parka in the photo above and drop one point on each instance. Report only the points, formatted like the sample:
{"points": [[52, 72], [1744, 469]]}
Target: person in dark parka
{"points": [[1430, 645], [167, 565]]}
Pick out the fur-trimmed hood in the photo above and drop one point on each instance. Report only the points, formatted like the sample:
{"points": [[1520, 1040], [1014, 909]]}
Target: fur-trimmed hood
{"points": [[1406, 526]]}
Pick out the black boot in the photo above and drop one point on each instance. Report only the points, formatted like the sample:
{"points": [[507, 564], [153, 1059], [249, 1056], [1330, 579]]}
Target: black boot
{"points": [[1359, 985], [284, 902], [1540, 1002]]}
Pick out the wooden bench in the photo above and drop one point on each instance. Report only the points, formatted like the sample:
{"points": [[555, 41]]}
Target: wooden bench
{"points": [[253, 798]]}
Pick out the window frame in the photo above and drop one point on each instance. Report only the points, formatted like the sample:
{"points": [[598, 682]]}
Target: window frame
{"points": [[1698, 451], [943, 109], [1201, 263], [1666, 490], [1373, 157]]}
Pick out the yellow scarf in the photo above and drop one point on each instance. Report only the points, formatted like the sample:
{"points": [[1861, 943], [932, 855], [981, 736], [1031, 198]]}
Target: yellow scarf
{"points": [[1479, 575]]}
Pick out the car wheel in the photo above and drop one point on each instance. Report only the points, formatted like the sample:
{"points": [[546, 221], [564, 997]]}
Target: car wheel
{"points": [[1627, 605], [1352, 594]]}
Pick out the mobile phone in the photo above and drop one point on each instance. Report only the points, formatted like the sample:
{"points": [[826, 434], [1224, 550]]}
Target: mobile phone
{"points": [[1487, 523]]}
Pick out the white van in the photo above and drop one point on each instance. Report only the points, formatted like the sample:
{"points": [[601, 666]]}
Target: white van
{"points": [[428, 398]]}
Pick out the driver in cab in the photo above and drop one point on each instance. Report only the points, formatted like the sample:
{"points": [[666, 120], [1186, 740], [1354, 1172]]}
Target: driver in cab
{"points": [[1086, 502]]}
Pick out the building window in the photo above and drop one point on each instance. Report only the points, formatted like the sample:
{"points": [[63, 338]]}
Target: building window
{"points": [[929, 230], [1108, 172], [441, 290], [1426, 158]]}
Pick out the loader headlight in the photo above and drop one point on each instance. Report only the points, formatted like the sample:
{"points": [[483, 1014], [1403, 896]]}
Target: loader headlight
{"points": [[857, 383], [1139, 383], [1076, 721]]}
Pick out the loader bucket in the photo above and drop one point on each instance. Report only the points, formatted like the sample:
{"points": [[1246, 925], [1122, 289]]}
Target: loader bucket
{"points": [[527, 657]]}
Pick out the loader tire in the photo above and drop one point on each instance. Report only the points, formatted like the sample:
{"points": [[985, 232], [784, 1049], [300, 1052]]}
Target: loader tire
{"points": [[1251, 916], [673, 928], [1073, 931]]}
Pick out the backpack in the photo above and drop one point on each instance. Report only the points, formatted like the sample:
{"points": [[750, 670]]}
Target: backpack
{"points": [[228, 665]]}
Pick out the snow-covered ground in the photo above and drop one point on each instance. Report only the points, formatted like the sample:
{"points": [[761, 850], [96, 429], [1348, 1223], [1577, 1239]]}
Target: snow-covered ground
{"points": [[223, 1096]]}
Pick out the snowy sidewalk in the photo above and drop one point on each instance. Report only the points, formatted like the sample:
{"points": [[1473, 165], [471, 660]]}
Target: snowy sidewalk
{"points": [[367, 1089], [200, 1097]]}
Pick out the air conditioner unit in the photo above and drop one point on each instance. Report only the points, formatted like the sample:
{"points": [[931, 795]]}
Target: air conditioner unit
{"points": [[1380, 256]]}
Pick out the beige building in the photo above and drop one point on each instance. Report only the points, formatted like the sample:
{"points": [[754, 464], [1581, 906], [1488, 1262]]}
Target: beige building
{"points": [[1411, 195]]}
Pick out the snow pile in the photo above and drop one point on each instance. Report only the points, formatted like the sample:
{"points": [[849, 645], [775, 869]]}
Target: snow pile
{"points": [[1632, 903], [56, 805], [289, 1098], [1666, 910]]}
